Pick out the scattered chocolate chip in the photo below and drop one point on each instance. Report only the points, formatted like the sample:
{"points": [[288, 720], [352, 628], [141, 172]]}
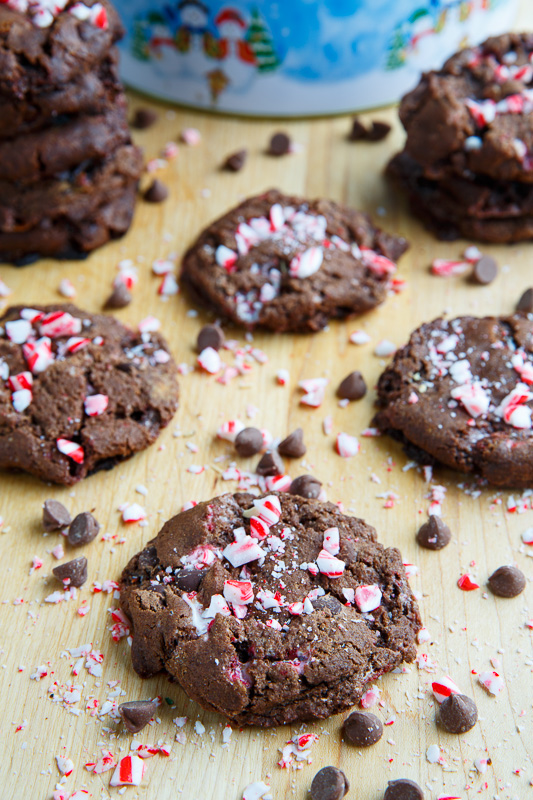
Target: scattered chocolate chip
{"points": [[358, 132], [507, 582], [327, 601], [434, 534], [280, 145], [75, 572], [137, 714], [457, 713], [526, 302], [55, 516], [144, 118], [210, 336], [120, 297], [403, 789], [249, 442], [293, 446], [236, 161], [378, 131], [306, 486], [83, 529], [485, 271], [270, 464], [353, 387], [188, 580], [362, 729], [329, 783], [157, 192]]}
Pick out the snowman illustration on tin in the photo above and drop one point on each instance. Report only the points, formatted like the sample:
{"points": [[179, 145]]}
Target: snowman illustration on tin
{"points": [[162, 48], [237, 58], [195, 43]]}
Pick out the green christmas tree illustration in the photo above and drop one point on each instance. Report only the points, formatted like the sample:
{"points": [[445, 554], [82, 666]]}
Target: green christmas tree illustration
{"points": [[396, 50], [141, 39], [261, 42]]}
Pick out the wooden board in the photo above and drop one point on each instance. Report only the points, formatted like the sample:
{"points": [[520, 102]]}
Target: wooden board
{"points": [[467, 630]]}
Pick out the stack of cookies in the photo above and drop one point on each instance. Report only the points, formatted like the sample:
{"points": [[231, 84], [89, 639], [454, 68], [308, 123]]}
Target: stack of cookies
{"points": [[68, 169], [467, 165]]}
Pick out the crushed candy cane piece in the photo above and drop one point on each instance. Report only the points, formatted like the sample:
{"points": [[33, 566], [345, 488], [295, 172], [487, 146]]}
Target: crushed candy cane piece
{"points": [[346, 445], [467, 583], [443, 688], [71, 449], [129, 772], [491, 681], [368, 598], [329, 565]]}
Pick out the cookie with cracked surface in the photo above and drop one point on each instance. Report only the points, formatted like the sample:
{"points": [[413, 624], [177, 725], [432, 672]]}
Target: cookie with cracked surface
{"points": [[290, 264], [269, 610], [475, 114], [79, 392], [459, 394]]}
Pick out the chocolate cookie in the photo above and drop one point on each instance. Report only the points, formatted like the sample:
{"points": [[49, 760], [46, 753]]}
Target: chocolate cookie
{"points": [[79, 392], [458, 393], [41, 51], [290, 264], [70, 216], [476, 113], [269, 610]]}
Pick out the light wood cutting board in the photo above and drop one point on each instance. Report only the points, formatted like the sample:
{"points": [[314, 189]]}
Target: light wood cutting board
{"points": [[467, 629]]}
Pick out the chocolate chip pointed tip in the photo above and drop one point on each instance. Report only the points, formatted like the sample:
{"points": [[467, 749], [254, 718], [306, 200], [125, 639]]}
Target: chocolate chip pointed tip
{"points": [[458, 713], [249, 442], [83, 529], [55, 516], [210, 336], [279, 145], [157, 192], [362, 729], [353, 387], [235, 161], [306, 486], [72, 574], [120, 297], [485, 271], [144, 118], [270, 464], [136, 714], [525, 302], [329, 783], [403, 789], [293, 445], [507, 581], [434, 534]]}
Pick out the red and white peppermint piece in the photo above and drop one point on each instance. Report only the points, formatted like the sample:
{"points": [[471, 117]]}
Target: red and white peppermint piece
{"points": [[67, 288], [238, 592], [527, 536], [423, 635], [443, 688], [483, 113], [370, 697], [346, 445], [282, 377], [64, 765], [149, 325], [278, 483], [491, 681], [473, 397], [225, 257], [168, 286], [524, 368], [444, 267], [467, 583], [315, 389], [59, 323], [38, 354], [368, 598], [18, 330], [191, 136], [379, 264], [448, 343], [349, 594], [296, 609], [258, 528], [266, 508], [217, 606], [307, 263], [243, 550], [255, 791], [512, 409], [384, 349], [71, 449], [162, 266], [329, 565], [76, 343], [21, 399], [277, 217], [209, 360], [230, 430], [129, 772], [359, 337], [133, 513], [95, 404], [5, 291], [331, 541], [24, 380]]}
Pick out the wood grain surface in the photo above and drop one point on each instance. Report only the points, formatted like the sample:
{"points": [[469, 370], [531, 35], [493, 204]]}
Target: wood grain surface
{"points": [[467, 629]]}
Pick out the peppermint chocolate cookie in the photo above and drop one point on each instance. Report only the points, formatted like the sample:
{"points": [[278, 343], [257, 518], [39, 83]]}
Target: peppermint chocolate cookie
{"points": [[269, 610], [290, 264], [79, 392], [459, 393]]}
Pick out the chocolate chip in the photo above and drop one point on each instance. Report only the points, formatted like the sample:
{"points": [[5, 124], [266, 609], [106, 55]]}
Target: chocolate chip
{"points": [[280, 145], [157, 192], [270, 464], [249, 442], [362, 729], [144, 118], [75, 572], [293, 446], [485, 271], [188, 580], [353, 387], [403, 789], [457, 713], [434, 534], [83, 529], [236, 161], [306, 486], [120, 297], [329, 783], [378, 131], [55, 516], [137, 714], [526, 302], [327, 601], [358, 132], [507, 582], [210, 336]]}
